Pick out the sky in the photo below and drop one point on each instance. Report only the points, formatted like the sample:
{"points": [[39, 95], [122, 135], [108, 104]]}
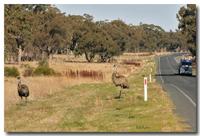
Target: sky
{"points": [[162, 15]]}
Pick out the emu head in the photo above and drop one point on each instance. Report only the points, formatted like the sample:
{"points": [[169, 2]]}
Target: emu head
{"points": [[19, 80]]}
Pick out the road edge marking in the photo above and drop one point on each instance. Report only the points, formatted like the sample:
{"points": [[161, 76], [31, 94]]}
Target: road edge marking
{"points": [[181, 91], [160, 72]]}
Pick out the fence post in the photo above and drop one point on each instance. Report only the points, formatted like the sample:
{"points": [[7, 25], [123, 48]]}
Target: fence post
{"points": [[150, 77], [145, 89]]}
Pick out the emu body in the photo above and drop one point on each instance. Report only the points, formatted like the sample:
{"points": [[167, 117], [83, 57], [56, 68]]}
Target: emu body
{"points": [[23, 90], [119, 80]]}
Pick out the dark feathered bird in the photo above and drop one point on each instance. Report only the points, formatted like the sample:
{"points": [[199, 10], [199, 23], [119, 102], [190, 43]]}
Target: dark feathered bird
{"points": [[119, 80], [23, 90]]}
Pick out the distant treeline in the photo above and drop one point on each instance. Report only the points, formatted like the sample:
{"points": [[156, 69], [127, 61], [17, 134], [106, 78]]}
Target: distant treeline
{"points": [[38, 31]]}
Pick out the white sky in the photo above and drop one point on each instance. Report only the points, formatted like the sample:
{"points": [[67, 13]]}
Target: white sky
{"points": [[158, 14]]}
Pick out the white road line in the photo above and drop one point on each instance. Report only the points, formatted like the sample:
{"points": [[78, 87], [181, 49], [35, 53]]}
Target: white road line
{"points": [[160, 72], [181, 91], [170, 65]]}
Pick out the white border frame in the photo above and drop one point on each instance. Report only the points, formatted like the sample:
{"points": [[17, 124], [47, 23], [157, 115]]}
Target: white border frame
{"points": [[2, 2]]}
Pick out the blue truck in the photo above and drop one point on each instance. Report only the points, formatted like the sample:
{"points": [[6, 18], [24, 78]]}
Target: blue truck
{"points": [[185, 67]]}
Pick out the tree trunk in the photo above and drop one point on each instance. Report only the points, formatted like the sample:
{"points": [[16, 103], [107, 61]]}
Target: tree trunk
{"points": [[19, 54], [88, 57], [103, 58], [50, 57], [43, 55]]}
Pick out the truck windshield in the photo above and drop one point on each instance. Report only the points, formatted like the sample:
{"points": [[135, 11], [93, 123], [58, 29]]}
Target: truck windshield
{"points": [[186, 63]]}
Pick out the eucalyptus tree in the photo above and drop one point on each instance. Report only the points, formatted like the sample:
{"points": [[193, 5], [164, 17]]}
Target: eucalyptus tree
{"points": [[18, 26], [49, 31], [187, 17]]}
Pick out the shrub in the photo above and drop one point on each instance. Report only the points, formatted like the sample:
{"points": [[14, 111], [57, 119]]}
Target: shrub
{"points": [[43, 63], [28, 71], [43, 69], [11, 72]]}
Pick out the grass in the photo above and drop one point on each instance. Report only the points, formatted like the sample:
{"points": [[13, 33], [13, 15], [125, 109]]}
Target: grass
{"points": [[91, 107], [40, 87], [84, 74], [131, 62]]}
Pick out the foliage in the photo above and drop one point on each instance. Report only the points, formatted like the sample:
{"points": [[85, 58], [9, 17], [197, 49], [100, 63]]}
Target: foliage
{"points": [[43, 69], [43, 63], [187, 25], [37, 31], [28, 71], [11, 72]]}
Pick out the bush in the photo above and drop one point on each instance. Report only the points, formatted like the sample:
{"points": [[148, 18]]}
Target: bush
{"points": [[43, 63], [28, 71], [11, 72], [43, 69], [24, 65]]}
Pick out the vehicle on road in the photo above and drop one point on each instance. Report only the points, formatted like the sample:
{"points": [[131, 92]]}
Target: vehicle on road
{"points": [[185, 67]]}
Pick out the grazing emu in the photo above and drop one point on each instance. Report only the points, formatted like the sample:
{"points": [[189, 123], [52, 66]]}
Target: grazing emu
{"points": [[119, 80], [23, 90]]}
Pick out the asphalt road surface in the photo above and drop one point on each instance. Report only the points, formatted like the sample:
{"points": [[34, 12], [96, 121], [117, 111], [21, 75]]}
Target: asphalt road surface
{"points": [[181, 89]]}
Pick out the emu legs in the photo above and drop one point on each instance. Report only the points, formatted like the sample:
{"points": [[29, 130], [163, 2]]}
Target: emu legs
{"points": [[26, 99], [119, 96], [120, 93]]}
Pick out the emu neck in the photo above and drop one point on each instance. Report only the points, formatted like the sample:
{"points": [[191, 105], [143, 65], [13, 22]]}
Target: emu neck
{"points": [[19, 84], [114, 75]]}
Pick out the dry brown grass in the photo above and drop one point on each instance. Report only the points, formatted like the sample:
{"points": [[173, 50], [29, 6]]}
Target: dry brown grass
{"points": [[43, 86], [96, 75], [39, 87], [131, 62], [61, 66]]}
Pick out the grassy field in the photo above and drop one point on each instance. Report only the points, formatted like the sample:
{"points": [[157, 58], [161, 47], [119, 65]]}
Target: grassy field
{"points": [[86, 105]]}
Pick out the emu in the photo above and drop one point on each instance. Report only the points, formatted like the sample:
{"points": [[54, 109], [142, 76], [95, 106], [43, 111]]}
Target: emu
{"points": [[119, 80], [23, 90]]}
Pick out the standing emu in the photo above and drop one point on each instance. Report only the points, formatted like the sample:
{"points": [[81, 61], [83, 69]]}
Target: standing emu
{"points": [[23, 90], [119, 80]]}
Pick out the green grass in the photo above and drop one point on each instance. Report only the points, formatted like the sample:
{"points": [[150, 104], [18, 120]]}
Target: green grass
{"points": [[93, 108]]}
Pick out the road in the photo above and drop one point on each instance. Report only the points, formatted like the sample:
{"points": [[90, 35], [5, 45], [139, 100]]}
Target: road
{"points": [[181, 89]]}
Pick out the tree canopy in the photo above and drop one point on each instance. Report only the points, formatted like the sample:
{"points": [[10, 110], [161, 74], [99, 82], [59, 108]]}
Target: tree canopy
{"points": [[187, 25], [38, 31]]}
